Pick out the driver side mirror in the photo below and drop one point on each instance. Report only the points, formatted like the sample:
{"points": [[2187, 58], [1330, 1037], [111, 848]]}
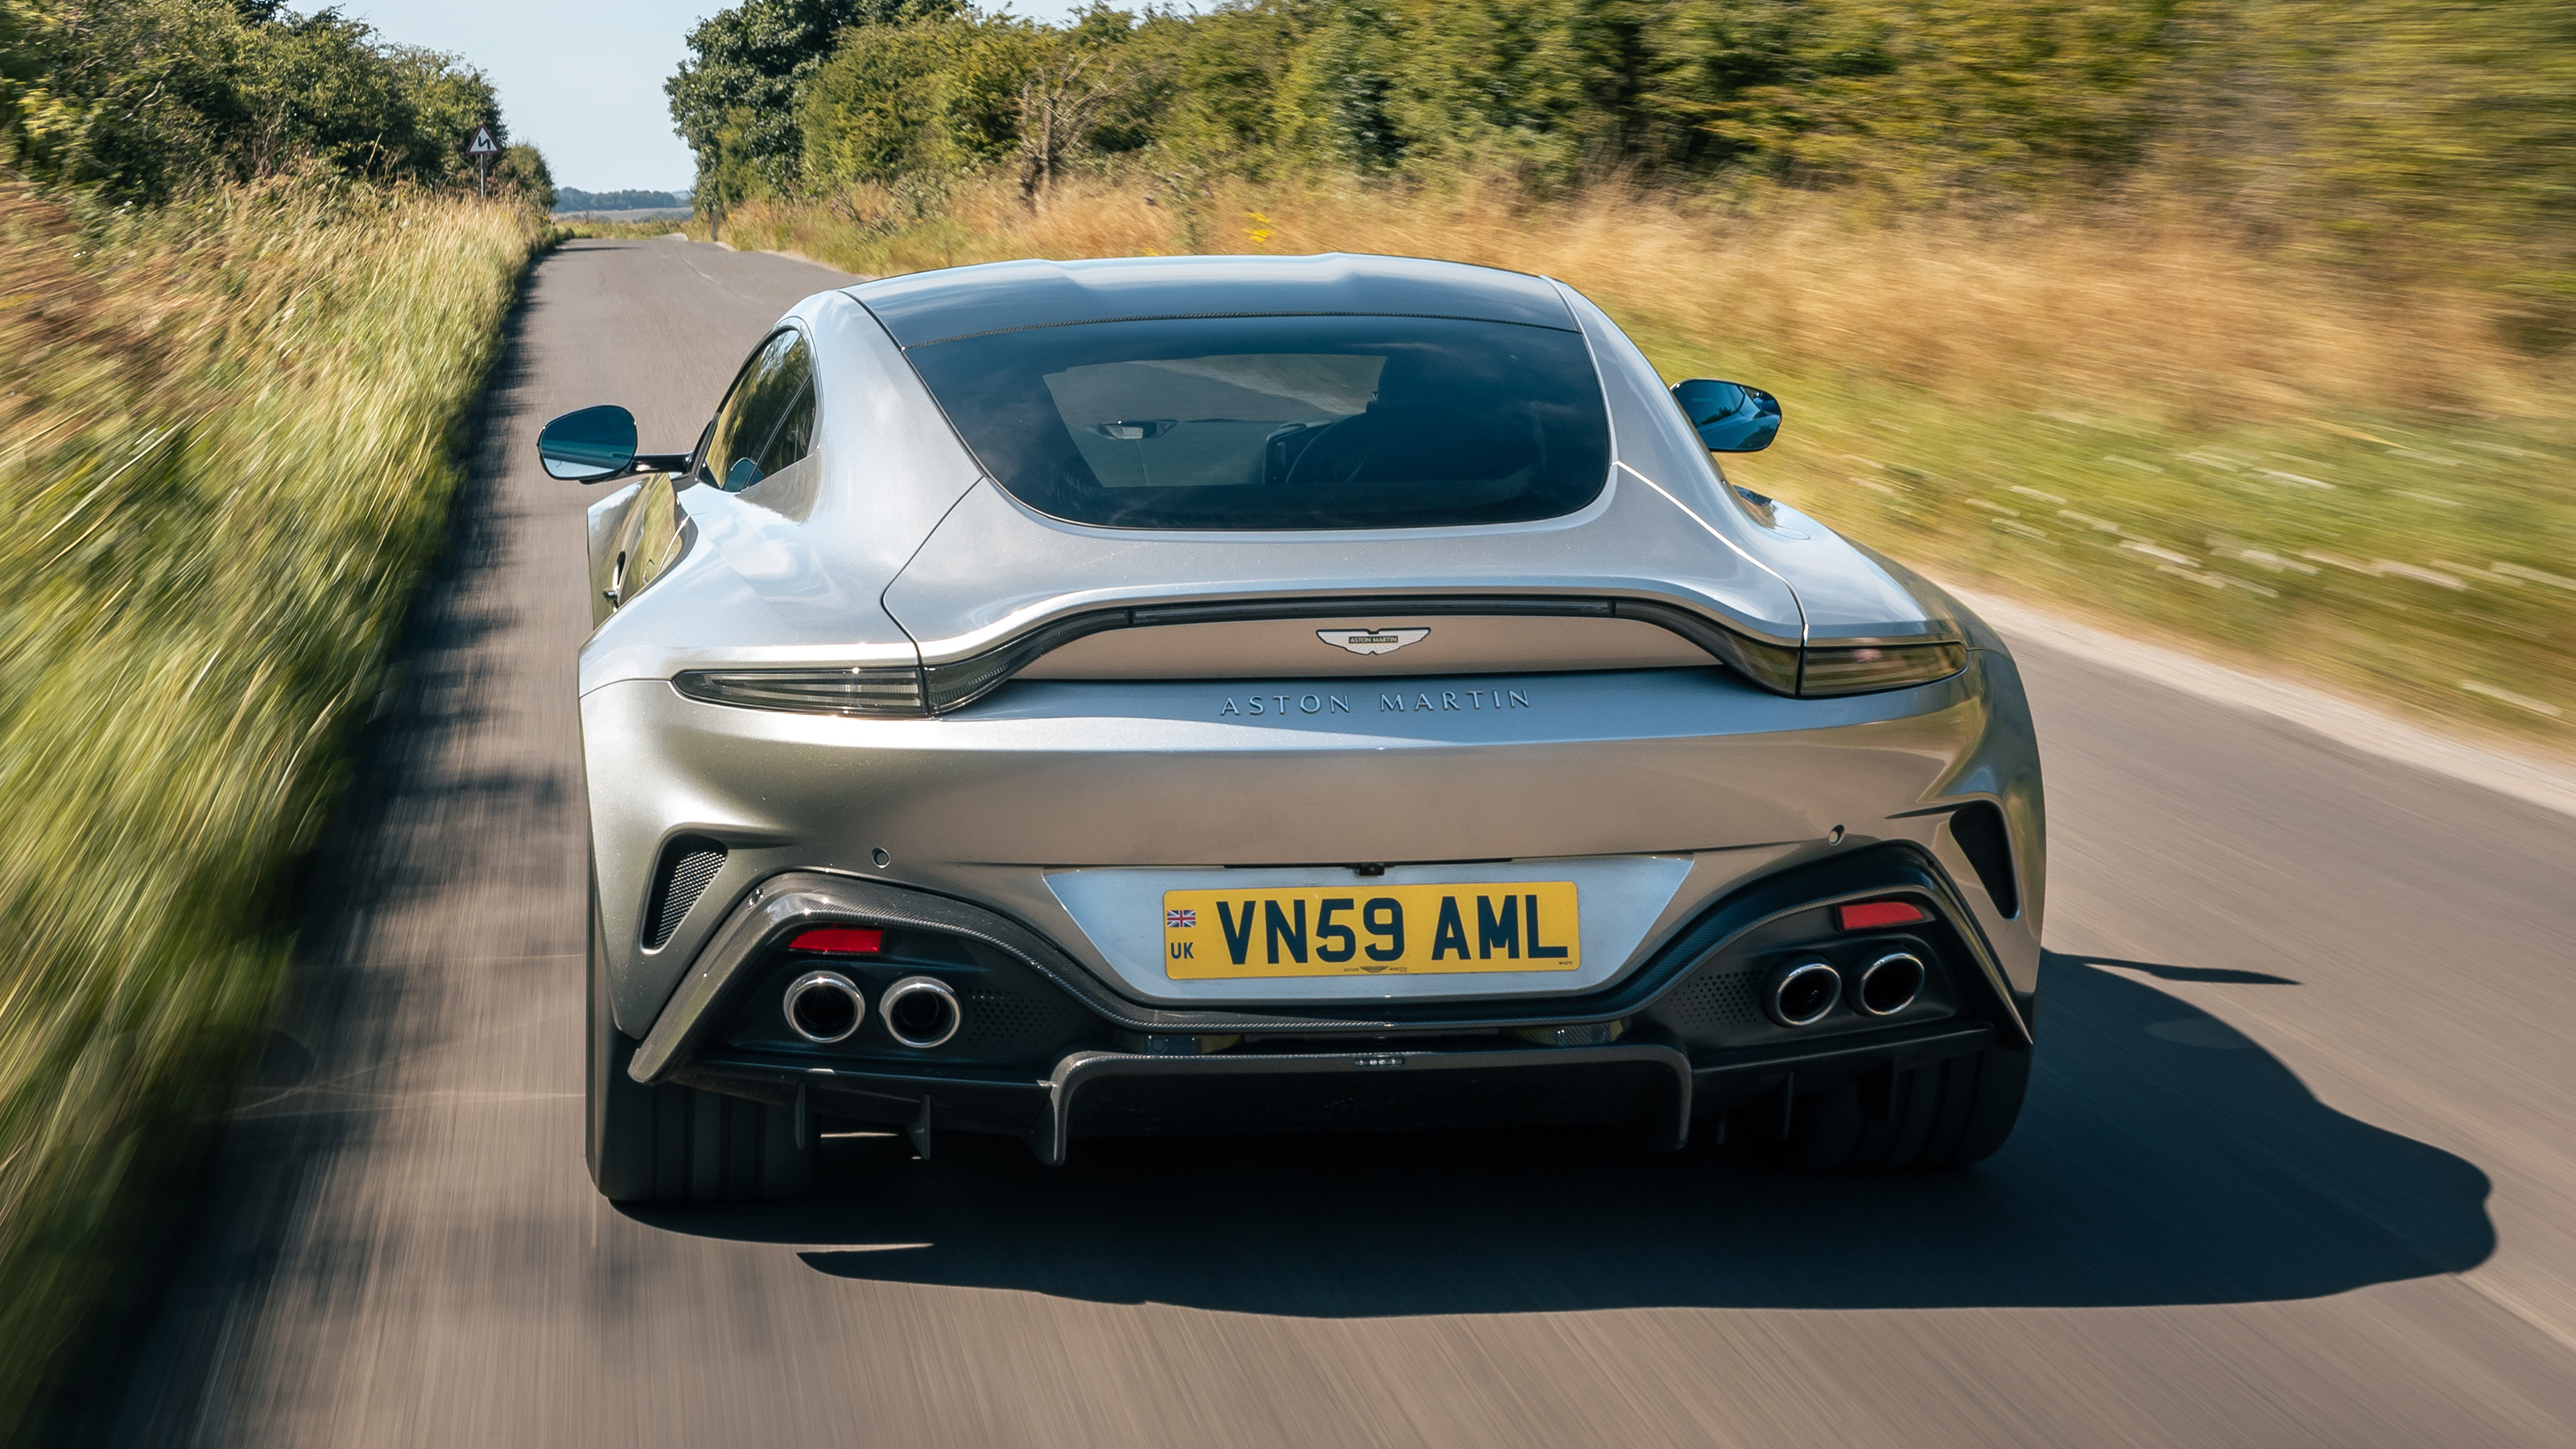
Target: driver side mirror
{"points": [[598, 443], [1730, 417], [589, 445]]}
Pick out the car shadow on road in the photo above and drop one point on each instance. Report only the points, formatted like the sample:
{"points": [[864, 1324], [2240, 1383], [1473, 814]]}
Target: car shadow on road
{"points": [[2163, 1159]]}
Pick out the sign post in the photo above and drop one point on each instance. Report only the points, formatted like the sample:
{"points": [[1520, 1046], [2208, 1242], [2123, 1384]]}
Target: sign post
{"points": [[482, 150]]}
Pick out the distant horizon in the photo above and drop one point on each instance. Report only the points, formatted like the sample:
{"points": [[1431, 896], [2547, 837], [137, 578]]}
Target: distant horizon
{"points": [[678, 198], [582, 79]]}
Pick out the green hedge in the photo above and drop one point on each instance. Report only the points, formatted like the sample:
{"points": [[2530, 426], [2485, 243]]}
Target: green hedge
{"points": [[226, 435]]}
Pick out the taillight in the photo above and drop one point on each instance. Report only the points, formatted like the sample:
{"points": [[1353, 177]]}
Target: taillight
{"points": [[1869, 668], [840, 940], [1877, 915], [809, 691]]}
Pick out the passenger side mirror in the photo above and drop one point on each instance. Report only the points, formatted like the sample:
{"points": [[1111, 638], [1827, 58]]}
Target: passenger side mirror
{"points": [[589, 445], [1730, 417]]}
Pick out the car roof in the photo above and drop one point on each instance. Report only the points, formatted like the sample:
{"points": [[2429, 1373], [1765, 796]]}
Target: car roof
{"points": [[927, 307]]}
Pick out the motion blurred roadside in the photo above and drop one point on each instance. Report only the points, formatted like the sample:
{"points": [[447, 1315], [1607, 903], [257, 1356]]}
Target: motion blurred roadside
{"points": [[246, 296]]}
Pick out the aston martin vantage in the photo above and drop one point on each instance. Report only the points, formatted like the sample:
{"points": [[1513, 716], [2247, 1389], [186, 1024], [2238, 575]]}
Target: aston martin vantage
{"points": [[1221, 695]]}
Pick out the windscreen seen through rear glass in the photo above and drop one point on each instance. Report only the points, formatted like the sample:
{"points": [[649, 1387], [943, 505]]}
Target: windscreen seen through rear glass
{"points": [[1280, 422]]}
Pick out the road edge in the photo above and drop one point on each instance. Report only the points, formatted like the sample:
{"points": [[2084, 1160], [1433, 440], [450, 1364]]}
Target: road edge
{"points": [[2529, 778]]}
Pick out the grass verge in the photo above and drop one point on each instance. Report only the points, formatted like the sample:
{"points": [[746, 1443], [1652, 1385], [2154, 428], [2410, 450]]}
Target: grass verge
{"points": [[2122, 416], [226, 431]]}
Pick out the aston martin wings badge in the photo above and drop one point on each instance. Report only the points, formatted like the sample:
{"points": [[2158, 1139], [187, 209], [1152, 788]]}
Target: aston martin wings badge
{"points": [[1371, 641]]}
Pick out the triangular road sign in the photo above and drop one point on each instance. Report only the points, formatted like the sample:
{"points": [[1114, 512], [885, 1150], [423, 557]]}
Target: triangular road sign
{"points": [[482, 143]]}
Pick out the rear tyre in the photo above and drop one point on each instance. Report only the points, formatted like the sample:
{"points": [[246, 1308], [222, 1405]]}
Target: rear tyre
{"points": [[677, 1144], [1931, 1119]]}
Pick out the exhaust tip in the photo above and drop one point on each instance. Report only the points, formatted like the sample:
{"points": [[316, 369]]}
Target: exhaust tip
{"points": [[921, 1011], [1889, 984], [824, 1007], [1801, 994]]}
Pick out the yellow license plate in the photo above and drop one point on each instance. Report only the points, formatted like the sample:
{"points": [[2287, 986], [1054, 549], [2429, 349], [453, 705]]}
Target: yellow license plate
{"points": [[1371, 930]]}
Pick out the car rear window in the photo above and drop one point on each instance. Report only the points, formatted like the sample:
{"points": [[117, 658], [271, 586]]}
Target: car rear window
{"points": [[1280, 422]]}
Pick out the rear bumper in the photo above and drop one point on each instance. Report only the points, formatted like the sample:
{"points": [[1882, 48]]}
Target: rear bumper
{"points": [[1126, 1069], [1651, 1089]]}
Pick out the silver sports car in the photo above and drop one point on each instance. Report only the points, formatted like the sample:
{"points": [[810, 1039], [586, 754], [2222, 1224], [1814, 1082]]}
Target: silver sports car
{"points": [[1229, 694]]}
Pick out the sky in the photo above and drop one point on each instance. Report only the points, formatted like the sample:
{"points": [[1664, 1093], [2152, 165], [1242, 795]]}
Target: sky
{"points": [[581, 78]]}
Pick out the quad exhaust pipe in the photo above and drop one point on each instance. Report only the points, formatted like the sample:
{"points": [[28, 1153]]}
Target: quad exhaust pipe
{"points": [[824, 1007], [921, 1012], [1801, 993], [1889, 984]]}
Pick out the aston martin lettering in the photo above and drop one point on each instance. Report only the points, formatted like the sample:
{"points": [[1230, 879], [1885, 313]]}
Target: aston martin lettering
{"points": [[1433, 701], [1344, 930], [1278, 704], [1372, 641], [1447, 701]]}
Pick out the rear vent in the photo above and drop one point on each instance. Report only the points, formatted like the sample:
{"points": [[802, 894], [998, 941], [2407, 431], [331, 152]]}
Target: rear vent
{"points": [[1014, 1026], [1979, 829], [1711, 1001], [688, 865]]}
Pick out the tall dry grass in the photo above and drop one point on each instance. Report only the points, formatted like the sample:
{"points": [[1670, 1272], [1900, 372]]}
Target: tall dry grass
{"points": [[2145, 308], [225, 434]]}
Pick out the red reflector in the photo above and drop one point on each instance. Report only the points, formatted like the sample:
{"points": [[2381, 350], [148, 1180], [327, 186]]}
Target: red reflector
{"points": [[1869, 915], [849, 940]]}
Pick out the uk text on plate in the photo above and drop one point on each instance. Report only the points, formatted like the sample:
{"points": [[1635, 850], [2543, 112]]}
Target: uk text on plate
{"points": [[1371, 930]]}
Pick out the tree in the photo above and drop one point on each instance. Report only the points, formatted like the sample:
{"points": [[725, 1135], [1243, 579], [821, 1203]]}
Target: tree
{"points": [[941, 97], [523, 173], [1062, 102], [735, 102], [931, 98], [147, 99]]}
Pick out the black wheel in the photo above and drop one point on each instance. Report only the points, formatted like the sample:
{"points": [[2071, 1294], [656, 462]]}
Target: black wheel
{"points": [[677, 1144], [1930, 1119]]}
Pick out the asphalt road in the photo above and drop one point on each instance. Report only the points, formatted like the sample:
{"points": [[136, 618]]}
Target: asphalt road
{"points": [[2297, 1165]]}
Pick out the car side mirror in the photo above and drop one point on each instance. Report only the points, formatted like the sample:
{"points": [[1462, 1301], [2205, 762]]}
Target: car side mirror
{"points": [[589, 445], [1730, 417]]}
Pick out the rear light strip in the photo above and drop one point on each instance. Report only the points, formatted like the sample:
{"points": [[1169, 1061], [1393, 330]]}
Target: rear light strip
{"points": [[1876, 915], [1785, 668], [840, 940]]}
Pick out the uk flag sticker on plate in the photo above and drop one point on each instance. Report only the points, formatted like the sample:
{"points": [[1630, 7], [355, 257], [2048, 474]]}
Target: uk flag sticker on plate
{"points": [[1180, 920]]}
